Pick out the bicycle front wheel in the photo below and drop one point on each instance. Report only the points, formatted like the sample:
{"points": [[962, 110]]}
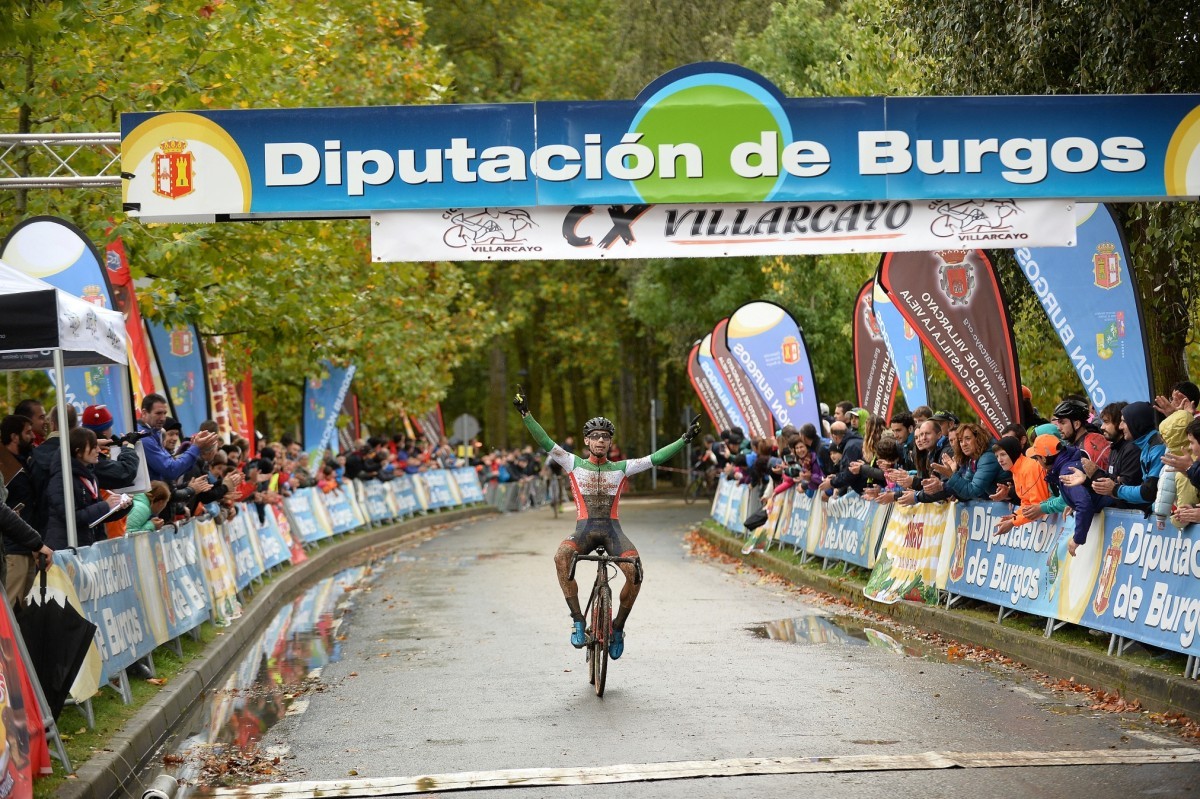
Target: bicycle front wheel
{"points": [[693, 490], [601, 635]]}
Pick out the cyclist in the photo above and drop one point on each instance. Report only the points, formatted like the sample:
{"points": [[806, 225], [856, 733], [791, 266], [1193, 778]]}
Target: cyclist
{"points": [[597, 483]]}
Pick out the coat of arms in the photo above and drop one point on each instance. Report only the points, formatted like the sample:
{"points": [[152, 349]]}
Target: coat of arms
{"points": [[173, 173], [1108, 266], [956, 276]]}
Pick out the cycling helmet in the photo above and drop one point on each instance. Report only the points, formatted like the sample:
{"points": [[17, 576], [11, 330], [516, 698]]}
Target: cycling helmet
{"points": [[596, 424], [1074, 409]]}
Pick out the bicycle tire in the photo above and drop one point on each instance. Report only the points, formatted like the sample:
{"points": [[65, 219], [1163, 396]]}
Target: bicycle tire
{"points": [[692, 491], [602, 633]]}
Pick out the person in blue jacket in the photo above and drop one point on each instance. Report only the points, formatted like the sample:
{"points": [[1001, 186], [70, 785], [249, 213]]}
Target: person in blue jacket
{"points": [[1137, 425], [161, 464], [1058, 459], [977, 468]]}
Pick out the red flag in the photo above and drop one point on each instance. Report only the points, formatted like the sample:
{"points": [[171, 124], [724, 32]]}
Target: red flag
{"points": [[23, 751], [125, 301]]}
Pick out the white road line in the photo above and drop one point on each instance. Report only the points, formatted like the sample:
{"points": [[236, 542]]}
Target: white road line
{"points": [[648, 772]]}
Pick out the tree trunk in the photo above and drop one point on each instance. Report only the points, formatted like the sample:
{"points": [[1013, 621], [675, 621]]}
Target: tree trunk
{"points": [[496, 422], [559, 409], [579, 400], [1162, 290]]}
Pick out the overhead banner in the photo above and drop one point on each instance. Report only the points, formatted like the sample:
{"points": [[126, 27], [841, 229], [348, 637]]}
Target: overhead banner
{"points": [[180, 356], [904, 348], [874, 373], [141, 373], [705, 391], [57, 252], [323, 398], [754, 410], [952, 299], [769, 346], [708, 367], [1091, 298], [703, 133], [715, 231]]}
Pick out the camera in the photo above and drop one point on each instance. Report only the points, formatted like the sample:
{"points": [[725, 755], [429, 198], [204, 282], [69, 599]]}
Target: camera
{"points": [[132, 437], [793, 471]]}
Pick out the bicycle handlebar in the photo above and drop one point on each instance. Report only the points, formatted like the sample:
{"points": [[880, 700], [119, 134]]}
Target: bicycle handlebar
{"points": [[606, 558]]}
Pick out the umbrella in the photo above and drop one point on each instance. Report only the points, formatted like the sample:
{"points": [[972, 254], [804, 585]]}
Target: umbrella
{"points": [[58, 639]]}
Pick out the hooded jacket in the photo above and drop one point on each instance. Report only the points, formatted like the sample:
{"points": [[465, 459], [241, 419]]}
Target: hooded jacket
{"points": [[1079, 498], [89, 507], [1139, 418], [1174, 434]]}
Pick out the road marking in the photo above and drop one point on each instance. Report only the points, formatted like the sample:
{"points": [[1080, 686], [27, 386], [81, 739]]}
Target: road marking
{"points": [[741, 767]]}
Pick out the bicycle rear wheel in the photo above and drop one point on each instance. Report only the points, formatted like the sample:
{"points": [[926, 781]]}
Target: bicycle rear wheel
{"points": [[601, 635], [693, 489]]}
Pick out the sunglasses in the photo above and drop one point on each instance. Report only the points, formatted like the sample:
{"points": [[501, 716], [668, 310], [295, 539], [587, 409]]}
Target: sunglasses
{"points": [[601, 436]]}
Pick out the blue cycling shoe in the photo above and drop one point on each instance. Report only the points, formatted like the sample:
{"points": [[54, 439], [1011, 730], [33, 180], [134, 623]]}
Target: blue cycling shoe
{"points": [[617, 645], [578, 638]]}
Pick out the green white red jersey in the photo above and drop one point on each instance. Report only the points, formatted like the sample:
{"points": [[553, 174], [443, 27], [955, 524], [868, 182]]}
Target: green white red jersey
{"points": [[597, 485]]}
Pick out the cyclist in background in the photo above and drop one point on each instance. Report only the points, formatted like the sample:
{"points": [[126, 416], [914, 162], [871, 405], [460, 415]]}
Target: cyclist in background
{"points": [[597, 483]]}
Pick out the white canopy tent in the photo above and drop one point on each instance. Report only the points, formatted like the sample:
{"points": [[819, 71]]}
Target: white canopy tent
{"points": [[42, 327]]}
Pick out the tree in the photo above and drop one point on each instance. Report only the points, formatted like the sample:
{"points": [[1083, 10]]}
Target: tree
{"points": [[1137, 47]]}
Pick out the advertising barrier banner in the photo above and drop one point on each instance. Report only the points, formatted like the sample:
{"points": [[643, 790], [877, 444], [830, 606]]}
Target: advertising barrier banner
{"points": [[913, 544], [375, 501], [343, 513], [217, 564], [852, 530], [306, 523], [795, 530], [405, 494], [179, 562], [272, 544], [468, 485], [1091, 298], [439, 489], [723, 230], [239, 532], [105, 579]]}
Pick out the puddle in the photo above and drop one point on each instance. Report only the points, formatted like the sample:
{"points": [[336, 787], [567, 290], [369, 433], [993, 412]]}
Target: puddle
{"points": [[275, 677], [838, 630]]}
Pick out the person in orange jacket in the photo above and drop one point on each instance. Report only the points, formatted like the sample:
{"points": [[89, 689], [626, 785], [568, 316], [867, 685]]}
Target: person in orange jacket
{"points": [[1028, 482]]}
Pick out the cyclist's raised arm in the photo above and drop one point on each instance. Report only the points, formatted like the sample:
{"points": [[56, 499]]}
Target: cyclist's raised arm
{"points": [[557, 453], [666, 453]]}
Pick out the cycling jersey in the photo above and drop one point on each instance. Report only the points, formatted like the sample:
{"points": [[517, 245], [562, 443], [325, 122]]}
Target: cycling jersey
{"points": [[596, 486]]}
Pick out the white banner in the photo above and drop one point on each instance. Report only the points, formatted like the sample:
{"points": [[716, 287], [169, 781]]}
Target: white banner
{"points": [[708, 231]]}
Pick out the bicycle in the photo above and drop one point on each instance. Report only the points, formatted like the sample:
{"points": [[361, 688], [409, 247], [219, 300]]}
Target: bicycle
{"points": [[599, 611], [702, 484]]}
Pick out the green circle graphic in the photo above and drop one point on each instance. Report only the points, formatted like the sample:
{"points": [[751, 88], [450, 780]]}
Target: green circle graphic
{"points": [[716, 119]]}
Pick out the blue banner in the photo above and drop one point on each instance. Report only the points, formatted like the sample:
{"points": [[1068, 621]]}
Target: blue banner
{"points": [[376, 505], [767, 343], [180, 356], [271, 544], [238, 532], [342, 514], [468, 485], [794, 529], [701, 133], [186, 599], [904, 347], [105, 577], [323, 398], [406, 496], [704, 359], [851, 530], [1091, 297], [439, 489], [57, 252], [305, 522]]}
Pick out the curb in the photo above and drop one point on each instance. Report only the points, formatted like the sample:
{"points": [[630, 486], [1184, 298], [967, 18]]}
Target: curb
{"points": [[1156, 690], [106, 772]]}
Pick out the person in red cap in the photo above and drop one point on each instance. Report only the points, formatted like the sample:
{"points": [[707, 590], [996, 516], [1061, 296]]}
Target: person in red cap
{"points": [[1058, 459], [113, 470]]}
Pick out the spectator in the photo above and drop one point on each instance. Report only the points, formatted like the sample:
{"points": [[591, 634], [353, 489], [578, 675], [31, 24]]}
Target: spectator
{"points": [[1137, 423], [144, 515], [1028, 487], [924, 450], [1058, 459], [921, 413], [90, 506], [160, 462], [1071, 418], [1190, 465], [21, 540], [977, 468], [16, 445], [902, 426], [946, 422], [1184, 395], [111, 473], [33, 410]]}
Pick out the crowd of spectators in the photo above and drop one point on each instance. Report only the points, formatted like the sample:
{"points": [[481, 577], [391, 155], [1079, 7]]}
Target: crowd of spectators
{"points": [[185, 473], [1136, 455]]}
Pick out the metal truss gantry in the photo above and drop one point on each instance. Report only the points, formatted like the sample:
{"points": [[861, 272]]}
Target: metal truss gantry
{"points": [[60, 160]]}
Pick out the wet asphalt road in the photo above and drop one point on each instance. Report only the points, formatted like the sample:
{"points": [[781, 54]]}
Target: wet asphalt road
{"points": [[457, 659]]}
